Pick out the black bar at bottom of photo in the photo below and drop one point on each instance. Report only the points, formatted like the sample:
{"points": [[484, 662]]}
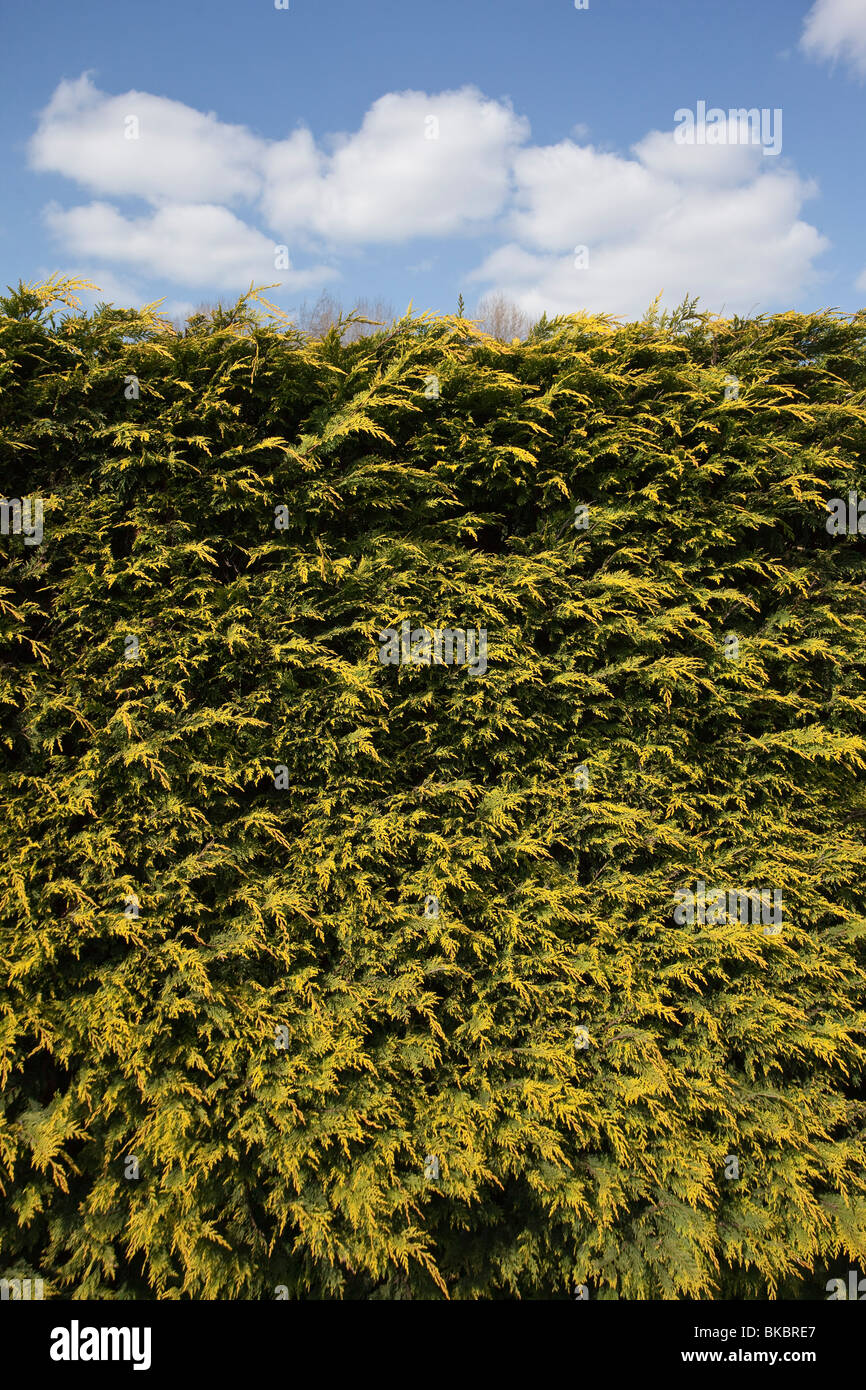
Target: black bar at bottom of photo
{"points": [[62, 1340]]}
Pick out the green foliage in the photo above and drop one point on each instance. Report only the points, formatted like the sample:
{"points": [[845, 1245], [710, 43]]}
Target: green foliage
{"points": [[153, 781]]}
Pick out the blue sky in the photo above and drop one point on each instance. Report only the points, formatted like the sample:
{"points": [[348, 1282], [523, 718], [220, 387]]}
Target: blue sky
{"points": [[415, 149]]}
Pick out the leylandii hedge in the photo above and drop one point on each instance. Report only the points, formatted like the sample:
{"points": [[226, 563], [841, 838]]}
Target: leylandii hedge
{"points": [[334, 969]]}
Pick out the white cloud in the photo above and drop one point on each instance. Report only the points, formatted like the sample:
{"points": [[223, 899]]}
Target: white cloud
{"points": [[194, 244], [570, 193], [731, 161], [706, 220], [179, 155], [418, 166], [718, 220], [836, 29]]}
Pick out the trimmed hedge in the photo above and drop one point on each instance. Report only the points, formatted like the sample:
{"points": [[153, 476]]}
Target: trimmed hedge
{"points": [[307, 940]]}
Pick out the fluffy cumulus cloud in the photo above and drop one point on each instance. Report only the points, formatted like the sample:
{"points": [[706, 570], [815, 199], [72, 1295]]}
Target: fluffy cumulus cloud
{"points": [[721, 220], [418, 166], [196, 244], [607, 233], [145, 147], [836, 29]]}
